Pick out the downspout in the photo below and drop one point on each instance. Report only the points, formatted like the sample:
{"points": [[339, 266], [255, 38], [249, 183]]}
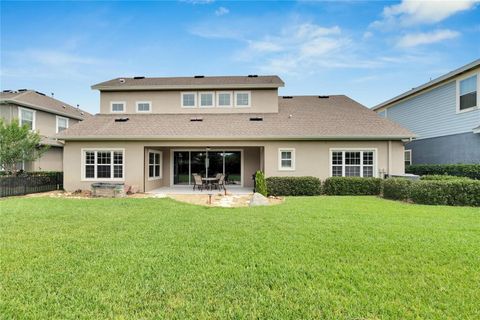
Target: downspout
{"points": [[389, 152]]}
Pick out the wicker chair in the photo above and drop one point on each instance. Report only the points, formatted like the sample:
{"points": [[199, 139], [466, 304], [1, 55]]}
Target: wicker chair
{"points": [[220, 184], [198, 182]]}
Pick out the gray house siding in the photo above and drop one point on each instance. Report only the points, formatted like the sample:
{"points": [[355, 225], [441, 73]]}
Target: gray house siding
{"points": [[457, 148], [433, 113]]}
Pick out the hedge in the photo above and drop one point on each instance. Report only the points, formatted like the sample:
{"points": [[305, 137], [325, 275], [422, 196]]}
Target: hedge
{"points": [[397, 188], [294, 186], [438, 177], [461, 170], [446, 192], [352, 186]]}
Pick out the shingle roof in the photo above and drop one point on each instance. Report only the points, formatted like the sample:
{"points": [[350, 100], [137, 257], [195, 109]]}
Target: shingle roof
{"points": [[35, 100], [300, 117], [197, 82], [430, 84]]}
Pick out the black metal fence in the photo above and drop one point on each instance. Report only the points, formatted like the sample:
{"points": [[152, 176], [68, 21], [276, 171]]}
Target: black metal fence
{"points": [[31, 182]]}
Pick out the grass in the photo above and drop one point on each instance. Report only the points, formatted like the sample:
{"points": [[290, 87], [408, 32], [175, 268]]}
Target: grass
{"points": [[318, 257]]}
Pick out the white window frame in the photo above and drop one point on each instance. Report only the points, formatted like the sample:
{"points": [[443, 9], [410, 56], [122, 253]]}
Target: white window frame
{"points": [[111, 150], [343, 150], [458, 92], [230, 93], [150, 164], [195, 104], [34, 116], [58, 118], [143, 102], [292, 151], [200, 99], [409, 151], [249, 99], [118, 102]]}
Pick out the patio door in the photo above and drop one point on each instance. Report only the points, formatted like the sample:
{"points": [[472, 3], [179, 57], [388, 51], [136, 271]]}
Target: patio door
{"points": [[207, 164]]}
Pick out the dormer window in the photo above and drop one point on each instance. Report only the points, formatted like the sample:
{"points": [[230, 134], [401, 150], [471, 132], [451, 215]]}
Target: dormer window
{"points": [[224, 99], [144, 106], [242, 99], [189, 99], [206, 99], [117, 106]]}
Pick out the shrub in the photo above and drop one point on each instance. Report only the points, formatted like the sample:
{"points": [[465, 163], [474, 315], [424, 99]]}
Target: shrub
{"points": [[446, 192], [438, 177], [352, 186], [260, 184], [294, 186], [461, 170], [397, 188]]}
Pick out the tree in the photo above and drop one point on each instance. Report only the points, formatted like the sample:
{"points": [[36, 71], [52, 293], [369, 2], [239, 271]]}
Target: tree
{"points": [[18, 144], [260, 183]]}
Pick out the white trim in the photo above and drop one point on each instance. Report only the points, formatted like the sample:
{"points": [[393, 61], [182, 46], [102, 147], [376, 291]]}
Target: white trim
{"points": [[409, 151], [343, 150], [186, 149], [83, 155], [56, 120], [292, 151], [249, 99], [118, 102], [143, 102], [457, 92], [34, 117], [212, 93], [160, 176], [194, 98], [218, 99]]}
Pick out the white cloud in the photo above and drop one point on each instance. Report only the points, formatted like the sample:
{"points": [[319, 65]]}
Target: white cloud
{"points": [[221, 11], [414, 12], [416, 39]]}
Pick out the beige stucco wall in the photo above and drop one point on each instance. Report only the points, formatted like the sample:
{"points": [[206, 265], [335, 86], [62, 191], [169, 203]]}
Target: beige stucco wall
{"points": [[263, 100], [311, 158], [51, 160]]}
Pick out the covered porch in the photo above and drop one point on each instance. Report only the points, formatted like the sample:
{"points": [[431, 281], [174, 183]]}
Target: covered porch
{"points": [[170, 169]]}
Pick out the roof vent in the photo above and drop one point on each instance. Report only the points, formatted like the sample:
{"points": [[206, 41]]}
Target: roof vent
{"points": [[253, 76], [121, 80], [323, 97], [82, 113], [287, 97], [64, 107], [41, 93], [22, 90], [121, 119], [256, 119], [196, 119], [8, 91], [198, 77], [138, 78]]}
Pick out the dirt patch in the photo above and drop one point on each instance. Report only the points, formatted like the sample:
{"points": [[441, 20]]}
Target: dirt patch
{"points": [[84, 194]]}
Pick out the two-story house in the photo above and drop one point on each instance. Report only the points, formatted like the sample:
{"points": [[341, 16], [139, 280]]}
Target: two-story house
{"points": [[44, 114], [157, 132], [445, 115]]}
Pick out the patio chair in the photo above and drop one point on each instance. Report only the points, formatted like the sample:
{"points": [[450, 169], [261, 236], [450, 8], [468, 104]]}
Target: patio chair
{"points": [[198, 182], [220, 184]]}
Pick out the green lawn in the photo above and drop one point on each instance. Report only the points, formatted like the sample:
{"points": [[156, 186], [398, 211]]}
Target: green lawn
{"points": [[319, 257]]}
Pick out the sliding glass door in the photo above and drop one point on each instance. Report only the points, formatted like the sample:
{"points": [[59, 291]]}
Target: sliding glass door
{"points": [[207, 164]]}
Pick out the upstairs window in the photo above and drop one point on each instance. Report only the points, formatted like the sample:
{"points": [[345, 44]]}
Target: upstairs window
{"points": [[144, 106], [408, 157], [118, 106], [352, 163], [467, 93], [206, 99], [103, 164], [62, 124], [286, 159], [26, 117], [242, 99], [189, 99], [224, 99]]}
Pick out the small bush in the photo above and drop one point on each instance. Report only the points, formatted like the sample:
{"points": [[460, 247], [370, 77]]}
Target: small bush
{"points": [[446, 192], [438, 177], [294, 186], [471, 171], [352, 186], [260, 184], [397, 188]]}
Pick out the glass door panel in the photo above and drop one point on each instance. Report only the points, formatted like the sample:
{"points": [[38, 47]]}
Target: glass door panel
{"points": [[233, 167], [215, 163], [181, 173], [197, 163]]}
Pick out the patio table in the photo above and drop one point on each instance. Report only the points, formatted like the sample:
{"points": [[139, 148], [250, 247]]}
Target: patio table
{"points": [[209, 182]]}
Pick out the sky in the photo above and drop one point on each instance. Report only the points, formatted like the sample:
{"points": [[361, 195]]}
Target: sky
{"points": [[370, 51]]}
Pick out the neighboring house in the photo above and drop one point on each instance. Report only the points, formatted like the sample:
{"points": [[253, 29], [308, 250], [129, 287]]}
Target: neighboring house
{"points": [[445, 115], [155, 132], [44, 114]]}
